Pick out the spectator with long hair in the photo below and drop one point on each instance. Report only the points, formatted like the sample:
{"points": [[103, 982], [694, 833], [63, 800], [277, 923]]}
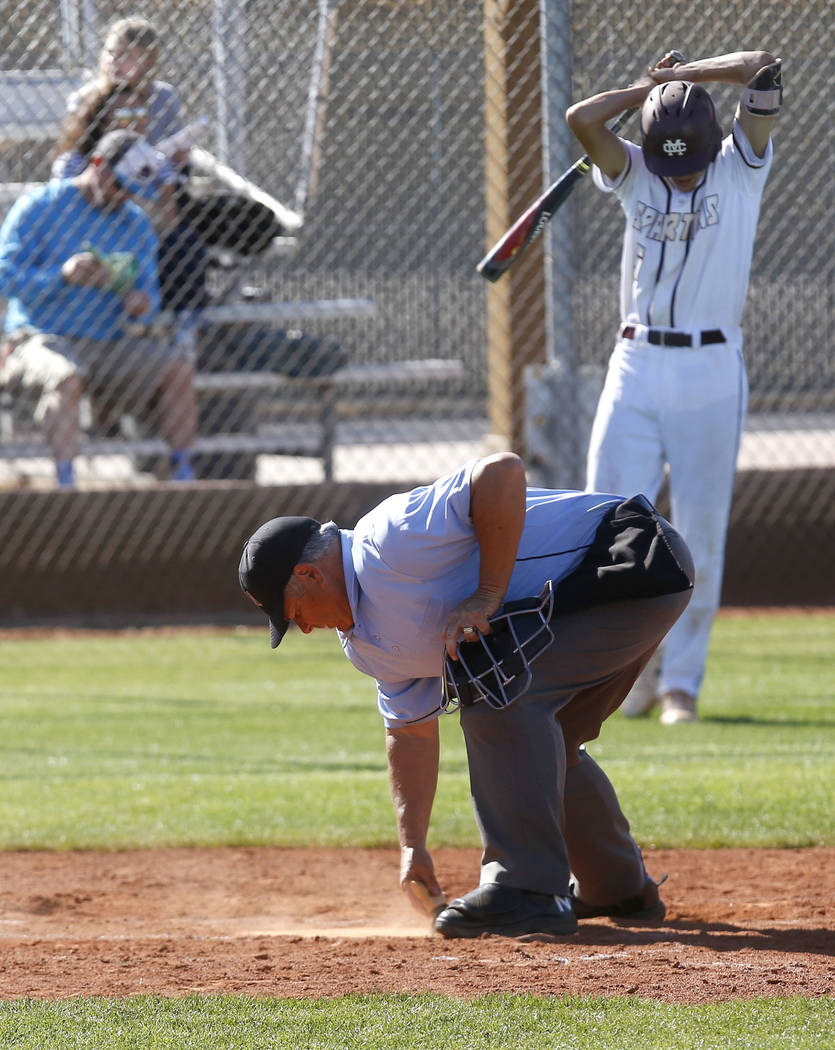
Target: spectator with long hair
{"points": [[130, 55]]}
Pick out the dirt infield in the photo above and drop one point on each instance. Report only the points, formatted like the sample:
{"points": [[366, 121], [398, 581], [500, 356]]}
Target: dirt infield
{"points": [[315, 922]]}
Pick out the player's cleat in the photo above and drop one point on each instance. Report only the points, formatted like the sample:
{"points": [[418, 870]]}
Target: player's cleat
{"points": [[678, 706], [644, 909], [508, 912]]}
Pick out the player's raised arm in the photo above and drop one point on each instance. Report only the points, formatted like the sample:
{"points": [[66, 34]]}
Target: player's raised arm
{"points": [[590, 119], [760, 104], [761, 74], [736, 68]]}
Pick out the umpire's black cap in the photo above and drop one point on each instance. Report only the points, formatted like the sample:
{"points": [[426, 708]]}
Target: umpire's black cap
{"points": [[270, 555]]}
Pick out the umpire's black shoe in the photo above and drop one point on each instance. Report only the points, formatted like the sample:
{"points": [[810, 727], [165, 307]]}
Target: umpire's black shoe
{"points": [[506, 911], [644, 909]]}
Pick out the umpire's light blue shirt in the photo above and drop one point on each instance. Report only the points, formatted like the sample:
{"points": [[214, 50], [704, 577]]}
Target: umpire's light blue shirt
{"points": [[409, 561]]}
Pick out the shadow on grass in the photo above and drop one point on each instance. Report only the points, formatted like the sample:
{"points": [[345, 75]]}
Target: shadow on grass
{"points": [[776, 723]]}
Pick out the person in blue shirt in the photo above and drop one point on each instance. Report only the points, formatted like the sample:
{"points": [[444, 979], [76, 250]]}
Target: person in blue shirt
{"points": [[424, 572], [182, 257], [78, 263]]}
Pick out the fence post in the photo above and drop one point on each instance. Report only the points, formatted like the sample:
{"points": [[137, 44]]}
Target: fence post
{"points": [[514, 178], [229, 44], [560, 395]]}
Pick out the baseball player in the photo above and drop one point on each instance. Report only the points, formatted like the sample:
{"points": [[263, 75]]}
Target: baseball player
{"points": [[676, 390], [593, 583]]}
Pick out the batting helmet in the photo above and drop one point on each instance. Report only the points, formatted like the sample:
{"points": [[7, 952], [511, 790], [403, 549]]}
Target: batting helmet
{"points": [[680, 134], [496, 666]]}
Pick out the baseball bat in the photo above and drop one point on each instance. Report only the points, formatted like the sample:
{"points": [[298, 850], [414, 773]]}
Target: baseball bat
{"points": [[529, 225]]}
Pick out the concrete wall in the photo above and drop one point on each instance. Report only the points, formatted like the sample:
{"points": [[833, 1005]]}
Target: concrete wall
{"points": [[170, 555]]}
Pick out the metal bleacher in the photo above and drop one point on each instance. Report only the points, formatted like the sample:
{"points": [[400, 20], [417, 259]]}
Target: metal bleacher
{"points": [[32, 104]]}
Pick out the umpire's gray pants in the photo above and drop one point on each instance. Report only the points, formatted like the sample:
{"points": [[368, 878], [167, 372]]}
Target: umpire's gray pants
{"points": [[544, 808]]}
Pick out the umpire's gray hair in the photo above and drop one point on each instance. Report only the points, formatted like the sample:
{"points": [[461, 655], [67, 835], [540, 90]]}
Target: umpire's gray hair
{"points": [[320, 543]]}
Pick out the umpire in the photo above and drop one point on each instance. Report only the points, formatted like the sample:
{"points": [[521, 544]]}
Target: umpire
{"points": [[414, 587]]}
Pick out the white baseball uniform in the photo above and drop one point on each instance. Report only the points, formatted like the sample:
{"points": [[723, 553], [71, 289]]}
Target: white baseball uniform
{"points": [[684, 277]]}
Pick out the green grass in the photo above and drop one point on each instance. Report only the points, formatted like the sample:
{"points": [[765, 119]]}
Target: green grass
{"points": [[188, 739], [759, 769], [428, 1022], [212, 739]]}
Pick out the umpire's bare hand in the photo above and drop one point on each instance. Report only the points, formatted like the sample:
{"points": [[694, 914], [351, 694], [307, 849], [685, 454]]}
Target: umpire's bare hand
{"points": [[467, 619]]}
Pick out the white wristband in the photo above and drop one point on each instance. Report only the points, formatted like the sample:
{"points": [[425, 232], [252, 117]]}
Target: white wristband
{"points": [[762, 103]]}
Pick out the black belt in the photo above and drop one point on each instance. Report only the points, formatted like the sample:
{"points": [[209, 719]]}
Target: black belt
{"points": [[659, 337]]}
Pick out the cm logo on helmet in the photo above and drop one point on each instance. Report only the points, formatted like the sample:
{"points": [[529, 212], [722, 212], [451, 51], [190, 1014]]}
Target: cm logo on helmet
{"points": [[674, 147]]}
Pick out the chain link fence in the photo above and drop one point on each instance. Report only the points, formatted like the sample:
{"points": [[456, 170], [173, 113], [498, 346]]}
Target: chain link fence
{"points": [[351, 161]]}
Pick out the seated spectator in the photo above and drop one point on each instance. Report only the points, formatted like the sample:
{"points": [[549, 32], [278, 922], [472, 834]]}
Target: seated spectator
{"points": [[182, 253], [130, 55], [126, 92], [78, 262]]}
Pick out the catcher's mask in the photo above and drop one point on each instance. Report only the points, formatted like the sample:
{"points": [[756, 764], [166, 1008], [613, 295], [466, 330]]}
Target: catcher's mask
{"points": [[496, 666], [680, 134]]}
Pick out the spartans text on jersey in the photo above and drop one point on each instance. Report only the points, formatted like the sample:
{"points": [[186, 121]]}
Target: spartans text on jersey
{"points": [[675, 225]]}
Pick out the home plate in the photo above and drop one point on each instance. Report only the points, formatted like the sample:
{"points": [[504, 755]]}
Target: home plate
{"points": [[282, 926]]}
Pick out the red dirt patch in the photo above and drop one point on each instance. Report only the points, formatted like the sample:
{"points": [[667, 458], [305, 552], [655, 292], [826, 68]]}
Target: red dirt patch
{"points": [[315, 922]]}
